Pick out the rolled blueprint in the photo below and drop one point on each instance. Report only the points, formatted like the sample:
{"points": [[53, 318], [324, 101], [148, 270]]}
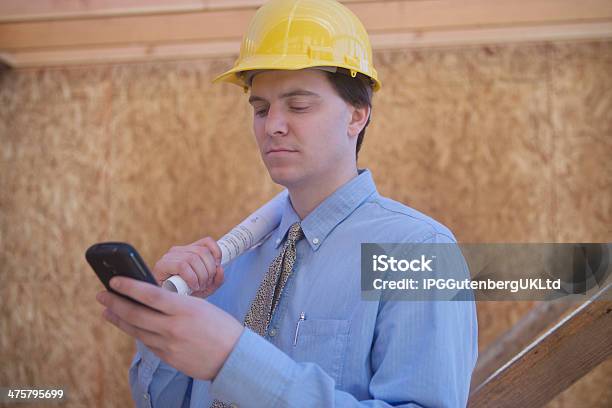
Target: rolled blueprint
{"points": [[242, 237]]}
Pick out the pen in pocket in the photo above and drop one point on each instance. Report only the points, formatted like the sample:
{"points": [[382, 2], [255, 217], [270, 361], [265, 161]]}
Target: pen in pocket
{"points": [[297, 327]]}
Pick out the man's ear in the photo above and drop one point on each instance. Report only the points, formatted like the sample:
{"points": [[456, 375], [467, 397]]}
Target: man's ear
{"points": [[358, 120]]}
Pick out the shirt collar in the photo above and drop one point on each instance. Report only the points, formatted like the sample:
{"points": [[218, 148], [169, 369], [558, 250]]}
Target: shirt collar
{"points": [[326, 216]]}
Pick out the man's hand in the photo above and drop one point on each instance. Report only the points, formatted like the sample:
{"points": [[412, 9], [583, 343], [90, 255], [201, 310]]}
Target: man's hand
{"points": [[190, 334], [199, 264]]}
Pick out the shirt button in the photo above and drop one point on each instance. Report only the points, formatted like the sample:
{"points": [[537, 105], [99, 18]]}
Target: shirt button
{"points": [[278, 240], [272, 332], [315, 241], [233, 405], [145, 396]]}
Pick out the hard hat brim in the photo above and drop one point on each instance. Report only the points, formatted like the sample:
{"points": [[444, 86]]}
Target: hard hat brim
{"points": [[289, 63]]}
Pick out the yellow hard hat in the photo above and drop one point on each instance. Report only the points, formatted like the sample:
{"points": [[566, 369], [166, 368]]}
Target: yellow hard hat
{"points": [[298, 34]]}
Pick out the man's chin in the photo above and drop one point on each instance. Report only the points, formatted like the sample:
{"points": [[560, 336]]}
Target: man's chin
{"points": [[285, 177]]}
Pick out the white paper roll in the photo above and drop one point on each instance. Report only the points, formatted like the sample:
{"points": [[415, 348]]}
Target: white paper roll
{"points": [[241, 238], [176, 284]]}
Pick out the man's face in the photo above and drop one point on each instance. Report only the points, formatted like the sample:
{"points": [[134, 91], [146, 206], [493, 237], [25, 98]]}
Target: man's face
{"points": [[301, 125]]}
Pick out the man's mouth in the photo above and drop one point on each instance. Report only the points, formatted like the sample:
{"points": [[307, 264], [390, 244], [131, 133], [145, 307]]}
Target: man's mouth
{"points": [[281, 150]]}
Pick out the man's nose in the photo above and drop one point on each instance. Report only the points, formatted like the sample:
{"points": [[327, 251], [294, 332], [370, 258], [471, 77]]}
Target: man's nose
{"points": [[276, 122]]}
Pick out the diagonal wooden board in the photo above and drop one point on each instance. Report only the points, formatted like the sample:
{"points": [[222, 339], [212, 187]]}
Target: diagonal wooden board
{"points": [[553, 362]]}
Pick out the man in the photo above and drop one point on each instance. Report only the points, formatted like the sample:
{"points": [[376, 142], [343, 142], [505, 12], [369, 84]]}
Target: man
{"points": [[288, 327]]}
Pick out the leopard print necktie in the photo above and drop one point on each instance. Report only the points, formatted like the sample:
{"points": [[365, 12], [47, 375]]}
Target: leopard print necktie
{"points": [[262, 308]]}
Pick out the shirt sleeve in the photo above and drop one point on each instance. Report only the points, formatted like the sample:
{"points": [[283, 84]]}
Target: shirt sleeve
{"points": [[423, 355], [154, 383]]}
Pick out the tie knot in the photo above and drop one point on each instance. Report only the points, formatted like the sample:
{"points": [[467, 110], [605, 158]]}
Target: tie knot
{"points": [[295, 233]]}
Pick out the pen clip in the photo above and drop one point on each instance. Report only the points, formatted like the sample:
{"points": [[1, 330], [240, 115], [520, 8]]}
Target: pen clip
{"points": [[297, 327]]}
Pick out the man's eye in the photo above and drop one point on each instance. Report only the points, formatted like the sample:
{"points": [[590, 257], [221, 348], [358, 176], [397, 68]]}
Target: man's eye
{"points": [[261, 112], [298, 108]]}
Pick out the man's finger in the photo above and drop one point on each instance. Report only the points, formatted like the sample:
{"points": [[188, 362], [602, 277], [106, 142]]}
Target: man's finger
{"points": [[179, 266], [150, 339], [212, 245], [217, 282], [199, 266], [150, 295], [208, 260], [133, 313], [219, 277]]}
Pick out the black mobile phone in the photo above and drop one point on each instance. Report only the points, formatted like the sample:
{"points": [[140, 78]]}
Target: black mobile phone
{"points": [[110, 259]]}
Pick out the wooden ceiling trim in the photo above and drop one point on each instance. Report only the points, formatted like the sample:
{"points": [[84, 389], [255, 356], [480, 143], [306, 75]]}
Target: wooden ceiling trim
{"points": [[19, 10], [402, 15], [495, 35], [386, 16], [124, 30], [105, 55], [143, 30], [230, 48]]}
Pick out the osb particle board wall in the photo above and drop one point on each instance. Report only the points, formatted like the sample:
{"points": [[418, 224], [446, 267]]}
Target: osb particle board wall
{"points": [[502, 143]]}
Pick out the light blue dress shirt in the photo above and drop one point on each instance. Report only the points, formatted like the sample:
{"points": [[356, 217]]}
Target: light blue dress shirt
{"points": [[347, 352]]}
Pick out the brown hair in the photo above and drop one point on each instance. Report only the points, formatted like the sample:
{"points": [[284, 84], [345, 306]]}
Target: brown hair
{"points": [[357, 91]]}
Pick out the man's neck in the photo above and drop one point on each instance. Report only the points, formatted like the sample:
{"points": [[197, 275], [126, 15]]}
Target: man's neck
{"points": [[306, 198]]}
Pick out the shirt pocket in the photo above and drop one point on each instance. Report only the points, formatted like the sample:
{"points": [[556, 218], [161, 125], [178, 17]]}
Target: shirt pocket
{"points": [[324, 343]]}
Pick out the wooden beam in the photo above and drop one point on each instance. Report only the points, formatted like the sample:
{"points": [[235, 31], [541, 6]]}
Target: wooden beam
{"points": [[424, 15], [553, 362], [131, 30], [518, 337], [378, 17], [182, 29], [498, 35], [230, 48], [136, 53], [19, 10], [32, 10]]}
